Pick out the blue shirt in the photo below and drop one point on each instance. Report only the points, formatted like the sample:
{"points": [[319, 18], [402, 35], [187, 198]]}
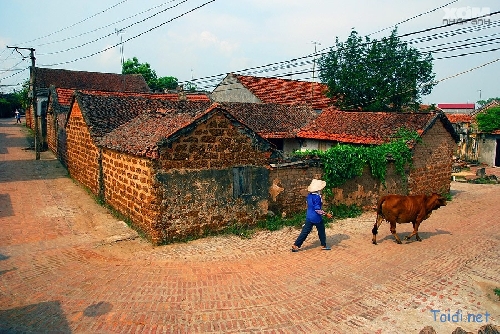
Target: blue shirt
{"points": [[314, 212]]}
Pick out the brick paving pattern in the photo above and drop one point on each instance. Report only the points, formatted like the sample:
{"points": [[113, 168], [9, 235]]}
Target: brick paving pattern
{"points": [[68, 266]]}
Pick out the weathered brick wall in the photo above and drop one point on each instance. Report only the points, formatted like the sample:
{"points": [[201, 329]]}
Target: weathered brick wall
{"points": [[363, 191], [197, 202], [131, 189], [433, 160], [61, 139], [198, 180], [52, 130], [214, 144], [82, 154], [30, 123]]}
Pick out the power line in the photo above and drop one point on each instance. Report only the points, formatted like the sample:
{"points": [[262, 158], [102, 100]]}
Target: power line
{"points": [[74, 24], [106, 26], [204, 79], [110, 34], [414, 17], [131, 38]]}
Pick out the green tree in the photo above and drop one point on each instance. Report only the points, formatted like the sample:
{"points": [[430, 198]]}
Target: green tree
{"points": [[132, 66], [376, 75], [485, 102], [489, 120], [167, 83]]}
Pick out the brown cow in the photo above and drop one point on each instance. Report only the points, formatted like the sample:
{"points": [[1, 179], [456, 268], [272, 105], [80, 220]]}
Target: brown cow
{"points": [[404, 209]]}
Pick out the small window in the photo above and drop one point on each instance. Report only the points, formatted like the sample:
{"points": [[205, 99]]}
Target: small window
{"points": [[242, 184]]}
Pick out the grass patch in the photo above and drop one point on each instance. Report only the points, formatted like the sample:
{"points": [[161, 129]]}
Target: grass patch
{"points": [[497, 291], [343, 211], [483, 180]]}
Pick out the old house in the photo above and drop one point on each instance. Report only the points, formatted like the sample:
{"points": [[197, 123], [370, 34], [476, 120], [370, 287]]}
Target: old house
{"points": [[467, 144], [174, 168], [243, 88], [278, 123], [432, 159], [457, 108], [63, 81], [488, 143]]}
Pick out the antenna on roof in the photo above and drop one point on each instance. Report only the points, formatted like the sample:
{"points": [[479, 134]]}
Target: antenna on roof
{"points": [[120, 32], [314, 66]]}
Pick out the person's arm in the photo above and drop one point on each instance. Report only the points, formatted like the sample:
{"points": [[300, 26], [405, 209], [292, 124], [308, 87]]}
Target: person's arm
{"points": [[318, 207]]}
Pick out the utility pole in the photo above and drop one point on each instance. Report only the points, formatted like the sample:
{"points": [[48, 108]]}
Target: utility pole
{"points": [[33, 97]]}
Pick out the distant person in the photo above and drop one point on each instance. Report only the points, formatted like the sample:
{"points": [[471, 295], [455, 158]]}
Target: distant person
{"points": [[314, 216], [18, 116]]}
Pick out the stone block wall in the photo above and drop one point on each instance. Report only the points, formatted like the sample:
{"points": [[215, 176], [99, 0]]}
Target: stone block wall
{"points": [[214, 144], [432, 162], [56, 134], [195, 202], [130, 188], [52, 131], [363, 191], [82, 153]]}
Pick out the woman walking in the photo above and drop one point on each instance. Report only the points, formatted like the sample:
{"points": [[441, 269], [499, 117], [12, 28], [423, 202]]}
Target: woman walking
{"points": [[314, 216]]}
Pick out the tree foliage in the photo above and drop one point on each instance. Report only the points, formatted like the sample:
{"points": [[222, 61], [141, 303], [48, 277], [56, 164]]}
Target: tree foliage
{"points": [[132, 66], [16, 100], [376, 75], [489, 120], [485, 102], [343, 162]]}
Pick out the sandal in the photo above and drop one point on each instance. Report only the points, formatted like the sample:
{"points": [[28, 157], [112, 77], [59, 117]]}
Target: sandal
{"points": [[326, 248], [295, 249]]}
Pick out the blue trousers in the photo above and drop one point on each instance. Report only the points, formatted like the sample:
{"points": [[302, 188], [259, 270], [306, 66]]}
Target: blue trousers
{"points": [[307, 228]]}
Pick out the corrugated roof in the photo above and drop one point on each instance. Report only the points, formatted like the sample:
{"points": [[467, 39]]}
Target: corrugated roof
{"points": [[284, 91], [456, 105]]}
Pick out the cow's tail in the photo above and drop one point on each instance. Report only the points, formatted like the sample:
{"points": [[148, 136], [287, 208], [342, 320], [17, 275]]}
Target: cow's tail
{"points": [[379, 216]]}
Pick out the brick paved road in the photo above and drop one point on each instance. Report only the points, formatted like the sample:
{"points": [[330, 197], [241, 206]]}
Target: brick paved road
{"points": [[67, 265]]}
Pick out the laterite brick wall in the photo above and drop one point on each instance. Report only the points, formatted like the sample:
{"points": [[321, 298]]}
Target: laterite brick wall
{"points": [[433, 159], [363, 191], [216, 143], [82, 154], [197, 179], [130, 188]]}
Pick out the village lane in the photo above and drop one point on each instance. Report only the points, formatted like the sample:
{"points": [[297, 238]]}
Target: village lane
{"points": [[67, 265]]}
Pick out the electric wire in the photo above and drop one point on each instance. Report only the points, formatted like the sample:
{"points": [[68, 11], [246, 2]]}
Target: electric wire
{"points": [[74, 24], [105, 26], [110, 34], [131, 38]]}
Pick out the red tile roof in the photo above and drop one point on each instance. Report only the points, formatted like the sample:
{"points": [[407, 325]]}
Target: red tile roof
{"points": [[105, 111], [459, 118], [361, 127], [456, 105], [272, 120], [64, 96], [144, 134], [284, 91], [45, 77], [192, 97]]}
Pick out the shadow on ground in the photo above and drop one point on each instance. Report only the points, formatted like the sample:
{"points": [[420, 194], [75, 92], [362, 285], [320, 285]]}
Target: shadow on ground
{"points": [[46, 317]]}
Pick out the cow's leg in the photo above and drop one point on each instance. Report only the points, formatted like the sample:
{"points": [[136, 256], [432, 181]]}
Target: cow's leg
{"points": [[393, 231], [375, 228], [415, 232]]}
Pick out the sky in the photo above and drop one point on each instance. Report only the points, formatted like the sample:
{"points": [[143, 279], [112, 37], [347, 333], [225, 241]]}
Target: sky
{"points": [[203, 40]]}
